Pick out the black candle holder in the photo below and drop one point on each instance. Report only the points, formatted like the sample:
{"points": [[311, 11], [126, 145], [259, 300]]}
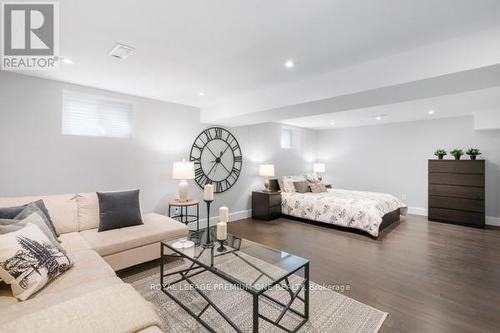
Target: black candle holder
{"points": [[221, 247], [208, 242]]}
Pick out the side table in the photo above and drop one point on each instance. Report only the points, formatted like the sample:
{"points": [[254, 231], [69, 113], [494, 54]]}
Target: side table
{"points": [[184, 215]]}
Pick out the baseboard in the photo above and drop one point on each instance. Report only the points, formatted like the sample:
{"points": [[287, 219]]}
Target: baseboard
{"points": [[490, 220], [417, 211], [242, 214]]}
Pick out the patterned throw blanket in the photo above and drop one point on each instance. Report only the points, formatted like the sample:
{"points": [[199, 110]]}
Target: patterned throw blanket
{"points": [[115, 309], [353, 209]]}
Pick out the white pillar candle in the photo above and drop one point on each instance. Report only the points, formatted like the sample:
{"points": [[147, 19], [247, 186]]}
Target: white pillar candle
{"points": [[208, 192], [221, 231], [224, 214]]}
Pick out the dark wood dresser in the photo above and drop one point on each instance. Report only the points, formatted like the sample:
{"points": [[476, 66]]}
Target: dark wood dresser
{"points": [[266, 205], [456, 192]]}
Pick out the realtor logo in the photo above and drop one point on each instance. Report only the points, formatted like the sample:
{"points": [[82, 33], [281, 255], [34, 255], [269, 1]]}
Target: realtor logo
{"points": [[30, 36]]}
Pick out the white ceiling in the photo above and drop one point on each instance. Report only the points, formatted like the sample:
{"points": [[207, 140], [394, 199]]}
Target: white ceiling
{"points": [[454, 105], [229, 48]]}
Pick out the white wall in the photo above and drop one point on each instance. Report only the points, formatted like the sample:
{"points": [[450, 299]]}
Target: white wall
{"points": [[393, 158], [38, 159], [262, 144]]}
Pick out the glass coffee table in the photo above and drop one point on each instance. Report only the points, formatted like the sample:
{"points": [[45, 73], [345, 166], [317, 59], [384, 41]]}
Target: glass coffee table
{"points": [[247, 265]]}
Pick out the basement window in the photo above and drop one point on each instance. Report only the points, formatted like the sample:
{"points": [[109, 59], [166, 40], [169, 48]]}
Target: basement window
{"points": [[94, 115], [286, 138]]}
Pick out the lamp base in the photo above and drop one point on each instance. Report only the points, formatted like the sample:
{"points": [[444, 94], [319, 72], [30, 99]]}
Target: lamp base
{"points": [[266, 185], [221, 247], [183, 190]]}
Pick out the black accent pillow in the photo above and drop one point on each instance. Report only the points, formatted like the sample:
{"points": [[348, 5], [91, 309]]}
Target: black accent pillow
{"points": [[302, 186], [119, 210], [11, 213]]}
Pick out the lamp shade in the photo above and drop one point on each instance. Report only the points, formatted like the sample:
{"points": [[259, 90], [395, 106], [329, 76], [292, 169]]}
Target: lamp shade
{"points": [[318, 167], [266, 170], [183, 170]]}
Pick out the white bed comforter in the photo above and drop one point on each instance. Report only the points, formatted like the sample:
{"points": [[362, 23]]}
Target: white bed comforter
{"points": [[353, 209]]}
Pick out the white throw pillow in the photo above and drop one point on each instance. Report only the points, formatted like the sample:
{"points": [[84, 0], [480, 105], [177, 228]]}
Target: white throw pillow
{"points": [[28, 261], [288, 185]]}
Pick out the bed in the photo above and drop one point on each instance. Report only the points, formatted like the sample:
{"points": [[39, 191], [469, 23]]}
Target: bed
{"points": [[370, 212]]}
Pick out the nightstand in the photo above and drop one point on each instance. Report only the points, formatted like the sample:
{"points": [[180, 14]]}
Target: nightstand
{"points": [[266, 205]]}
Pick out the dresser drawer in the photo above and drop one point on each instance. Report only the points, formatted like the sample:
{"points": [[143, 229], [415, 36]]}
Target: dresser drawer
{"points": [[456, 203], [456, 179], [466, 192], [476, 167], [456, 216], [275, 200]]}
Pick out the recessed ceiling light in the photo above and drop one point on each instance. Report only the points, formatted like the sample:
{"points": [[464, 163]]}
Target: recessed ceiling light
{"points": [[430, 112], [332, 123], [67, 61], [378, 118], [289, 64], [121, 51], [202, 93]]}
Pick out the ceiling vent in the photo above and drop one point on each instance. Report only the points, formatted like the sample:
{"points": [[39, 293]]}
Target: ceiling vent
{"points": [[121, 51]]}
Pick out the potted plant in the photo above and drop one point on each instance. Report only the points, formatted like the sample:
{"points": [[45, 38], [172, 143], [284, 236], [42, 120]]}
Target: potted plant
{"points": [[457, 153], [440, 153], [473, 153]]}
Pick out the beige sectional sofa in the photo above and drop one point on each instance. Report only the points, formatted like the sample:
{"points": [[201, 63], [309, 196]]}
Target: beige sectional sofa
{"points": [[96, 256]]}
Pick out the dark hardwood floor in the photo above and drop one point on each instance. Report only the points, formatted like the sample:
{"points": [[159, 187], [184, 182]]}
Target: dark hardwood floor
{"points": [[429, 277]]}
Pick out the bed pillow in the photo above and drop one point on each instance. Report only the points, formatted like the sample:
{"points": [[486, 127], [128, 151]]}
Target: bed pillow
{"points": [[312, 178], [288, 181], [12, 212], [119, 210], [7, 226], [302, 186], [28, 261], [287, 184], [318, 188]]}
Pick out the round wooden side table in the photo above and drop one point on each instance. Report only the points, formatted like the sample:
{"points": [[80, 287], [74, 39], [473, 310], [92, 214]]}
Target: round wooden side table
{"points": [[185, 216]]}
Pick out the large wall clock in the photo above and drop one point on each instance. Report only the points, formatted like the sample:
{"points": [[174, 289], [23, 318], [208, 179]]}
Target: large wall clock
{"points": [[217, 159]]}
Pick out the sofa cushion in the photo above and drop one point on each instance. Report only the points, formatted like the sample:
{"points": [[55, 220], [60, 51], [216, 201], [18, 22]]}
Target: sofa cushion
{"points": [[88, 211], [62, 209], [73, 241], [155, 228], [87, 267], [119, 209], [114, 309], [89, 272]]}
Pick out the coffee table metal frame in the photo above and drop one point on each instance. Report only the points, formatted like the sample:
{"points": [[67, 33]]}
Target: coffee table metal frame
{"points": [[198, 267]]}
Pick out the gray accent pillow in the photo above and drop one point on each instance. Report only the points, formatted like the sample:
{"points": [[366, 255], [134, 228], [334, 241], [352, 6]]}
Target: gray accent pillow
{"points": [[119, 210], [33, 208], [12, 212], [318, 188], [302, 186], [8, 225]]}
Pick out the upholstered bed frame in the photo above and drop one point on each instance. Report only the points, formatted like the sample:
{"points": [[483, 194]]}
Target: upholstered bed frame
{"points": [[387, 220]]}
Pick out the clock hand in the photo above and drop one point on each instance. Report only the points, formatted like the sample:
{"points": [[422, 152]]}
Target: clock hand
{"points": [[225, 168], [225, 150], [211, 151], [211, 169]]}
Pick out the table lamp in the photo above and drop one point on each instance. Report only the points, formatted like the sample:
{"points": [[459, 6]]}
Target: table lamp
{"points": [[183, 171], [318, 169], [266, 171]]}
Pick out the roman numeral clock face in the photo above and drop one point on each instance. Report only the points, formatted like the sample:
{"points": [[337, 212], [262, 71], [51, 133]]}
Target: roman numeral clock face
{"points": [[217, 159]]}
